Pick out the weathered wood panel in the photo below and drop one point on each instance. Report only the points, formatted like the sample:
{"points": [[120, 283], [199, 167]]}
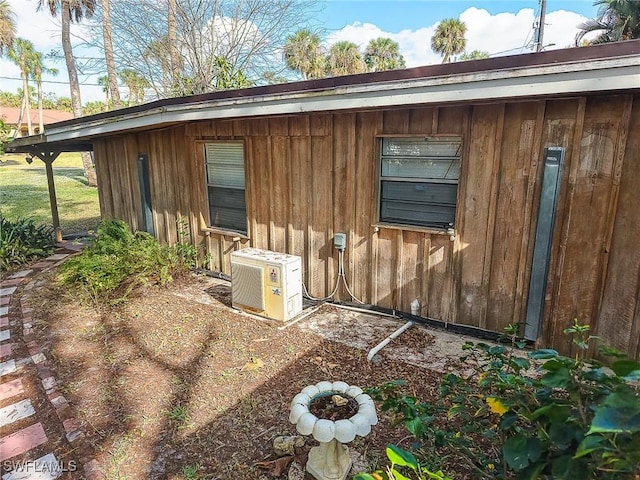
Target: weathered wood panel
{"points": [[516, 157], [310, 176], [586, 223], [257, 149], [368, 125], [344, 144], [278, 194], [321, 224], [477, 204], [300, 166], [619, 321], [103, 175]]}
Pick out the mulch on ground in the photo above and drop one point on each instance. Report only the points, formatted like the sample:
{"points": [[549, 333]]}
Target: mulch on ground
{"points": [[175, 384]]}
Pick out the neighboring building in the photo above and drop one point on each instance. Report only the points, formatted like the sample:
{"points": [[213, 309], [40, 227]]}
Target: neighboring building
{"points": [[434, 173], [11, 116]]}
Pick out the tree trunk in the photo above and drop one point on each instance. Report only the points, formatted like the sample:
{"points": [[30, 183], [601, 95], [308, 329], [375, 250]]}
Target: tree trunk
{"points": [[173, 46], [74, 86], [40, 112], [112, 78], [27, 104]]}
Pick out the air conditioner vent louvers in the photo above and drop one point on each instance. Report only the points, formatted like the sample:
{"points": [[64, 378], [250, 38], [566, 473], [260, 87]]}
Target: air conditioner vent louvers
{"points": [[247, 287]]}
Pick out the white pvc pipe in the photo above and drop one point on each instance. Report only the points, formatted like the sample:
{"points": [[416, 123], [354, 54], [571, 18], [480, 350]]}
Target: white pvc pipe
{"points": [[384, 343]]}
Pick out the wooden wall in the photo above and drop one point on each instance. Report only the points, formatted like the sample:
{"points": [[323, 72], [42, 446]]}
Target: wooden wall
{"points": [[310, 176]]}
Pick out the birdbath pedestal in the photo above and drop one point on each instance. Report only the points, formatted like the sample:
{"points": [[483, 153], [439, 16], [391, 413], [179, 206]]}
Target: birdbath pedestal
{"points": [[330, 460]]}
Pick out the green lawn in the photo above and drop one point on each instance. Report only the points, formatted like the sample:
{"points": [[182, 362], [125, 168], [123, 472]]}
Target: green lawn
{"points": [[24, 193]]}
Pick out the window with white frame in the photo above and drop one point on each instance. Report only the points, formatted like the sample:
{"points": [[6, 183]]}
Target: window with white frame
{"points": [[225, 185], [419, 180]]}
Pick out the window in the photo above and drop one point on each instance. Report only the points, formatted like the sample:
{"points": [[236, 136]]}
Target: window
{"points": [[419, 180], [225, 185]]}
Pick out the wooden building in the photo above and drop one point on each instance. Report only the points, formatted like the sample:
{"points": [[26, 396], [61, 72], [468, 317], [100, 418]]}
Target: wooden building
{"points": [[434, 173]]}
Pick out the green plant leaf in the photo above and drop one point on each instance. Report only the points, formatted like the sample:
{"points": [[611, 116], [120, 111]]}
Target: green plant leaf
{"points": [[363, 476], [568, 468], [401, 457], [397, 475], [519, 451], [508, 419], [620, 413], [624, 367], [521, 362], [532, 472], [558, 378], [588, 445], [415, 426], [543, 354]]}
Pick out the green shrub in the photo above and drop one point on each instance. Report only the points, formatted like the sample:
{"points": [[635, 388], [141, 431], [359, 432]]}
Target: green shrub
{"points": [[571, 418], [119, 261], [22, 241]]}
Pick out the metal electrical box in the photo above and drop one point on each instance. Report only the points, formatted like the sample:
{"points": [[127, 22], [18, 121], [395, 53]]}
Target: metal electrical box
{"points": [[266, 283]]}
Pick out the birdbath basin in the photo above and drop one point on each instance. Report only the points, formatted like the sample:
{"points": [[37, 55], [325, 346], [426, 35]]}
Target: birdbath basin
{"points": [[318, 410]]}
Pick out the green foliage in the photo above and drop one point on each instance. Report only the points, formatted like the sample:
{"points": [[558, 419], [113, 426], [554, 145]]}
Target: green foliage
{"points": [[5, 138], [119, 261], [91, 108], [573, 418], [22, 241], [403, 466]]}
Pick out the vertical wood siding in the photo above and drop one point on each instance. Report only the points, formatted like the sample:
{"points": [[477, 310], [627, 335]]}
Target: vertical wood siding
{"points": [[311, 176]]}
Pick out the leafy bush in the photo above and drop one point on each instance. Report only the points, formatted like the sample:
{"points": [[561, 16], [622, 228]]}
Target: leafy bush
{"points": [[119, 261], [570, 418], [23, 240]]}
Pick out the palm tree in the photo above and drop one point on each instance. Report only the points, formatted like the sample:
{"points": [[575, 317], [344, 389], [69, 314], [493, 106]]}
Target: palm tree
{"points": [[37, 69], [474, 55], [345, 59], [21, 53], [73, 11], [136, 84], [112, 78], [103, 81], [7, 26], [449, 38], [383, 54], [617, 20], [303, 53]]}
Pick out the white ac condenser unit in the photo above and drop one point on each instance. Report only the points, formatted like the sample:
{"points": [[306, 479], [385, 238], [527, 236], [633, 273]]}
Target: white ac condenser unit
{"points": [[266, 283]]}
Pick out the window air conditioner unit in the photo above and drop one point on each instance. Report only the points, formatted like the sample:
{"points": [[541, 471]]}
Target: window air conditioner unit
{"points": [[266, 283]]}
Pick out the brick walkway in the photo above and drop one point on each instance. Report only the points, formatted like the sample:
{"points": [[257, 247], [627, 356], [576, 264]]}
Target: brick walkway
{"points": [[27, 450]]}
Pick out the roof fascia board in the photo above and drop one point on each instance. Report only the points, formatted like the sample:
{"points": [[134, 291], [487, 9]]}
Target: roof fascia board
{"points": [[621, 73]]}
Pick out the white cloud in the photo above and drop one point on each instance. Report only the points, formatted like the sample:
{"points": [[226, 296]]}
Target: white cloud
{"points": [[499, 34]]}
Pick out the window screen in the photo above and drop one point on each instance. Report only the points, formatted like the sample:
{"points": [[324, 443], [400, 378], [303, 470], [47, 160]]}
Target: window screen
{"points": [[225, 185], [419, 180]]}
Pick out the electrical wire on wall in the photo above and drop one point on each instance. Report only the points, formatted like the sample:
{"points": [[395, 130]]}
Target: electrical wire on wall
{"points": [[341, 276]]}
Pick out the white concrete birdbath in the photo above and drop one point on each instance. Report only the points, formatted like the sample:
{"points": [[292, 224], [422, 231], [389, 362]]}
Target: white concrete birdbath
{"points": [[330, 460]]}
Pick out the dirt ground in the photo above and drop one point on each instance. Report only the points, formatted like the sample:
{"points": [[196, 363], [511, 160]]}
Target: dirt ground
{"points": [[175, 384]]}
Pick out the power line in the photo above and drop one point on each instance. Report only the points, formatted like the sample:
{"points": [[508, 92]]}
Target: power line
{"points": [[55, 81]]}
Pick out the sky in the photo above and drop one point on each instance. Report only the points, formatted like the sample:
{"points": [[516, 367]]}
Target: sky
{"points": [[498, 27]]}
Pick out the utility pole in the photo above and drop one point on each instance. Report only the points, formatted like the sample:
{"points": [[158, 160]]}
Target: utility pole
{"points": [[539, 28]]}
